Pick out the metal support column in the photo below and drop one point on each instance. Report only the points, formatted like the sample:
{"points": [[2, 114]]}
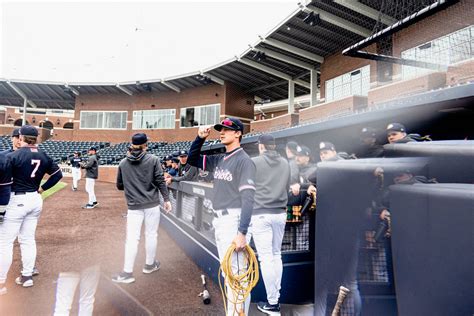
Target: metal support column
{"points": [[291, 97], [314, 88], [25, 102]]}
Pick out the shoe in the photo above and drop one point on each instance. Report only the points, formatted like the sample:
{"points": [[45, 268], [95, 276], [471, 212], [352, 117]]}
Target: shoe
{"points": [[3, 291], [35, 272], [88, 206], [269, 309], [95, 204], [150, 268], [123, 277], [74, 189], [25, 281]]}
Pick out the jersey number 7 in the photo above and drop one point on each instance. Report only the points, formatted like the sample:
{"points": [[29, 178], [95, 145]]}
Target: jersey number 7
{"points": [[37, 163]]}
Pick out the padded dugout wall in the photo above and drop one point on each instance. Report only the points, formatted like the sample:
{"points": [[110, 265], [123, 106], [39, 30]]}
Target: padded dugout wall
{"points": [[345, 191], [433, 248]]}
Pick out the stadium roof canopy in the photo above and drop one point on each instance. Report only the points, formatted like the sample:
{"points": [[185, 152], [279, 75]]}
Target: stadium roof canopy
{"points": [[293, 50]]}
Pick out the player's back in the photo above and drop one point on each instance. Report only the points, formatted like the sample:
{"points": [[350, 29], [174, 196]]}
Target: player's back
{"points": [[29, 165]]}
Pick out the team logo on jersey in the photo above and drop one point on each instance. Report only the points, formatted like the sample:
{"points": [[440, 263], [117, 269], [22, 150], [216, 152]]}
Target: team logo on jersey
{"points": [[222, 174]]}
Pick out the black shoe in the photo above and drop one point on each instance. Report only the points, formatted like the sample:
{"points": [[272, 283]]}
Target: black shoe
{"points": [[269, 309], [25, 281], [88, 206], [95, 204], [150, 268], [123, 277]]}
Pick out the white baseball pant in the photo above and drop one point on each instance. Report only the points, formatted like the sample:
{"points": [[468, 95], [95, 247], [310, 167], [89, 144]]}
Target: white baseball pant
{"points": [[226, 228], [90, 184], [21, 220], [267, 231], [76, 176], [134, 226], [66, 289]]}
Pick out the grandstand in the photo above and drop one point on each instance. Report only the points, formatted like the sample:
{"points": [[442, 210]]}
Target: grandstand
{"points": [[328, 70]]}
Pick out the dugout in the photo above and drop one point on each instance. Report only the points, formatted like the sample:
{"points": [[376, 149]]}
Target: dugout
{"points": [[346, 220], [432, 243]]}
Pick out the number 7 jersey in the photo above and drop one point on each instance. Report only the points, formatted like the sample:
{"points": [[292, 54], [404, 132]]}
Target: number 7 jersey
{"points": [[29, 165]]}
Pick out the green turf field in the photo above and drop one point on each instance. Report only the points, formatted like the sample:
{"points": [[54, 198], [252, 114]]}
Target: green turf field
{"points": [[59, 186]]}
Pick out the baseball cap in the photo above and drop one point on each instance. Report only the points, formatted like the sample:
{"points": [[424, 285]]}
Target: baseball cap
{"points": [[230, 123], [183, 153], [175, 160], [16, 132], [292, 145], [93, 148], [266, 139], [139, 139], [175, 154], [326, 146], [368, 132], [395, 127], [303, 151], [28, 130], [169, 157]]}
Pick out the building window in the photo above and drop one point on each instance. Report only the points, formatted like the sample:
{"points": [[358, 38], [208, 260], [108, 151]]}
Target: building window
{"points": [[154, 119], [356, 82], [103, 120], [449, 49], [200, 115]]}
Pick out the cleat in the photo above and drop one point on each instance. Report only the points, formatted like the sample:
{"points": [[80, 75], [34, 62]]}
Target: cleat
{"points": [[88, 206], [35, 272], [124, 277], [95, 204], [25, 281], [150, 268], [269, 309]]}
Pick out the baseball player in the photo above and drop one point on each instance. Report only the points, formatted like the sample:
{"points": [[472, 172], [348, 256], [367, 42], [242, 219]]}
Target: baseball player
{"points": [[15, 138], [5, 187], [233, 192], [186, 172], [92, 173], [76, 169], [141, 177], [269, 218], [28, 164]]}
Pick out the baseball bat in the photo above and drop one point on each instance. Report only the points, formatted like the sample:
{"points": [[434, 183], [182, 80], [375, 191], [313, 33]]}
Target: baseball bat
{"points": [[343, 291], [206, 297]]}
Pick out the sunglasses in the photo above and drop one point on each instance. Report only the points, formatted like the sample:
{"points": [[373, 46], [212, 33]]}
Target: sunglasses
{"points": [[230, 123]]}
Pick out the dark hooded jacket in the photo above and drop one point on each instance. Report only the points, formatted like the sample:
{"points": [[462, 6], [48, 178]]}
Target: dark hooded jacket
{"points": [[272, 181], [141, 177]]}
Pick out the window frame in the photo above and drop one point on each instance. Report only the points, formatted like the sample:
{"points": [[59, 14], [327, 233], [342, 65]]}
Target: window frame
{"points": [[103, 118]]}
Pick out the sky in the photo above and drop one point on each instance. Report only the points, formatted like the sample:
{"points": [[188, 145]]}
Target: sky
{"points": [[112, 41]]}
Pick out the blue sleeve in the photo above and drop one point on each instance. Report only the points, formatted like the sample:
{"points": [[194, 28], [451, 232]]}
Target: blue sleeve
{"points": [[203, 162], [247, 193], [5, 179], [53, 179]]}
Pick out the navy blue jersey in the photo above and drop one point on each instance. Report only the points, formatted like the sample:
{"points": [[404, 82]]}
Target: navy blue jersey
{"points": [[76, 162], [29, 165], [233, 172]]}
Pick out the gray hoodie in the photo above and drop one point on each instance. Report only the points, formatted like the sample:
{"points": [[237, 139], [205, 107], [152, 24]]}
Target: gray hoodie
{"points": [[141, 177], [272, 182], [92, 167]]}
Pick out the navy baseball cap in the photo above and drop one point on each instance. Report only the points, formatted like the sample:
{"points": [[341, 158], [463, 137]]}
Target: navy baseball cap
{"points": [[367, 132], [169, 157], [326, 146], [303, 151], [16, 132], [139, 139], [183, 153], [266, 139], [28, 130], [230, 123], [395, 127], [176, 160], [175, 154], [93, 148]]}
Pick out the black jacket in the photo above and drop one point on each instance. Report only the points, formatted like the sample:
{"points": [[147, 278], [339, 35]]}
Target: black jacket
{"points": [[141, 177]]}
